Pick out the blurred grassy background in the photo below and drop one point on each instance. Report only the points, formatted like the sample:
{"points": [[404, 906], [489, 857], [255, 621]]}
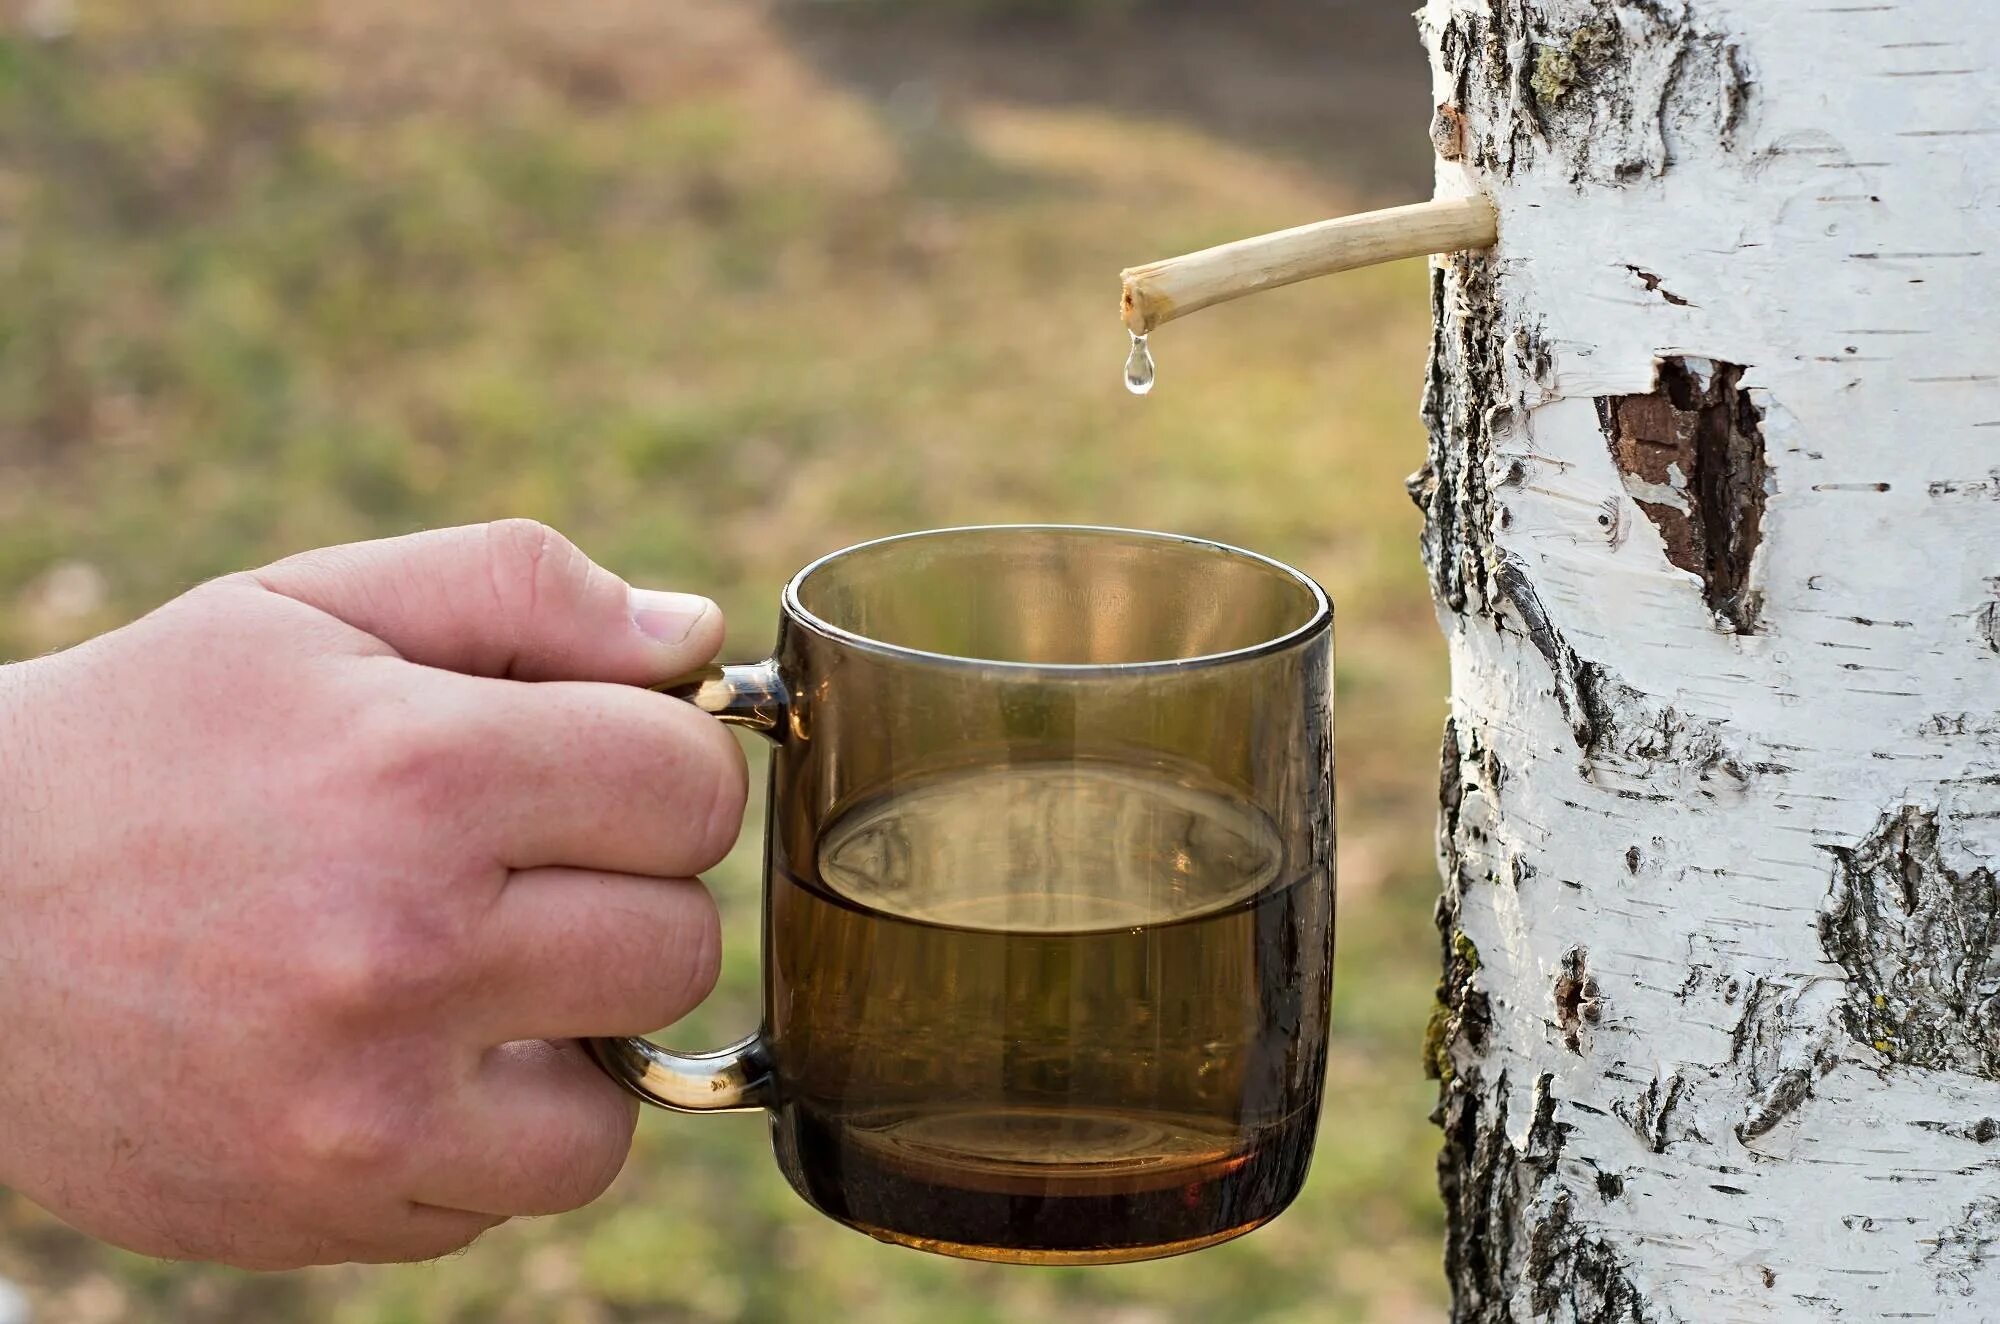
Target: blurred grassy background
{"points": [[716, 286]]}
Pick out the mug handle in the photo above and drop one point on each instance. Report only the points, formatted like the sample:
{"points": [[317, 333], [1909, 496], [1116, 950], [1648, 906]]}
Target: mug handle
{"points": [[737, 1078]]}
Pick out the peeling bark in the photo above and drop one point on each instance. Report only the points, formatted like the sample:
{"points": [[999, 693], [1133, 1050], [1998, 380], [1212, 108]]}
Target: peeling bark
{"points": [[1692, 454], [1578, 1000]]}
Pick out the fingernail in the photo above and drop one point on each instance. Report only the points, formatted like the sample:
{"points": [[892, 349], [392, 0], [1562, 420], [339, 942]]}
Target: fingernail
{"points": [[668, 618]]}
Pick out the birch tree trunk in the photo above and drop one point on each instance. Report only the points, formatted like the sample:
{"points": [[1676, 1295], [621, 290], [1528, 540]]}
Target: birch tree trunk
{"points": [[1713, 523]]}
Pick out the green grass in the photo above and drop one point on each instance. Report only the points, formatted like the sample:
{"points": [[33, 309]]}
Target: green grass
{"points": [[711, 319]]}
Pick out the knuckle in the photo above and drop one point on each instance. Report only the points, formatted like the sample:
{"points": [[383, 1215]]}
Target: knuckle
{"points": [[519, 544], [418, 758], [529, 563], [347, 1138], [388, 963]]}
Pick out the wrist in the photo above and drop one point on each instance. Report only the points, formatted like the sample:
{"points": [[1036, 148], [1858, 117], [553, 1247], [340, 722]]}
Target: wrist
{"points": [[23, 769], [20, 791]]}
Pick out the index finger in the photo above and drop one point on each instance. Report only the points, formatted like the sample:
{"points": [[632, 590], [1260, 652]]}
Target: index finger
{"points": [[590, 776]]}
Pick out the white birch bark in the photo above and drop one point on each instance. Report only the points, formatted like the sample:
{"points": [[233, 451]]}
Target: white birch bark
{"points": [[1713, 522]]}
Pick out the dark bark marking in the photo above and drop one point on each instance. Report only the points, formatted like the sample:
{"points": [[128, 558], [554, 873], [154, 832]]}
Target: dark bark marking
{"points": [[1652, 284], [1920, 943], [1543, 1145], [1967, 1248], [1461, 1015], [1494, 1191], [1988, 617], [1583, 1273], [1692, 454], [1983, 728], [1610, 95], [1640, 736], [1574, 678], [1611, 518], [1982, 1132], [1650, 1115], [1782, 1054], [1477, 1177], [1464, 385], [1778, 1101], [1578, 1001], [1736, 96], [1981, 489], [1451, 783]]}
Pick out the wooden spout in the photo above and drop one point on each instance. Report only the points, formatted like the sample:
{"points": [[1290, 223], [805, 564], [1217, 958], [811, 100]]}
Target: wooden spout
{"points": [[1158, 292]]}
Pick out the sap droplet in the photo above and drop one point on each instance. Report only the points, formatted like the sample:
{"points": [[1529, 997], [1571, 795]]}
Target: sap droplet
{"points": [[1139, 366]]}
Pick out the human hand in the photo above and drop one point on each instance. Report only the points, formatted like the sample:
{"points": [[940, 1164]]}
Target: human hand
{"points": [[304, 894]]}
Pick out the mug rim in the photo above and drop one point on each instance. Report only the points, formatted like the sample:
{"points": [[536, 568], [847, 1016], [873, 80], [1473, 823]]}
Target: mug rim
{"points": [[1318, 621]]}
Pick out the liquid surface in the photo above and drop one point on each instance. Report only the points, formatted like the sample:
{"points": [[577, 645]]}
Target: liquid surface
{"points": [[1059, 1012], [1062, 847]]}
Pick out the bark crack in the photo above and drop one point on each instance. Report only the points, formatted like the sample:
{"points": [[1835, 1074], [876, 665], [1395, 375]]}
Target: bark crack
{"points": [[1653, 286]]}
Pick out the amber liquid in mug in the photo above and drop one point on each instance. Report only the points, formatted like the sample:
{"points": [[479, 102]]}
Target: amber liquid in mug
{"points": [[1055, 1012]]}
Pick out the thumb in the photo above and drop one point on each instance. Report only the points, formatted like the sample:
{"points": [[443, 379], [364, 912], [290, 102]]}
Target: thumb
{"points": [[512, 598]]}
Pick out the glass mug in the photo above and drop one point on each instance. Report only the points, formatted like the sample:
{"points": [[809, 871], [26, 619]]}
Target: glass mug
{"points": [[1048, 918]]}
